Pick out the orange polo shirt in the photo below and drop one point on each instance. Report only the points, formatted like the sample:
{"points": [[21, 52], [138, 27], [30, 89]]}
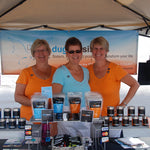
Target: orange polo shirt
{"points": [[33, 84], [108, 86]]}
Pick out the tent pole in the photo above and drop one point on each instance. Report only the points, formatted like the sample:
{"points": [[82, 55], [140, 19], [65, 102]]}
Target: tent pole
{"points": [[44, 26], [143, 17], [12, 8], [102, 26]]}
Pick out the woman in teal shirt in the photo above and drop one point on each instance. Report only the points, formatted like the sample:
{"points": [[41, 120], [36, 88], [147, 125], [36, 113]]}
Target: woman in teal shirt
{"points": [[71, 77]]}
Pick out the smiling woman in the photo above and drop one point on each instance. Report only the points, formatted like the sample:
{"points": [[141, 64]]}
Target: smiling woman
{"points": [[71, 77], [106, 77], [33, 78]]}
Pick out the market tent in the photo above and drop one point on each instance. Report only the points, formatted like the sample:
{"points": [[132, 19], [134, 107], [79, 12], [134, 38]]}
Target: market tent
{"points": [[75, 14]]}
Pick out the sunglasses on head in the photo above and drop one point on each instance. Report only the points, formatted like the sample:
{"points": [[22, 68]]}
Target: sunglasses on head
{"points": [[72, 52]]}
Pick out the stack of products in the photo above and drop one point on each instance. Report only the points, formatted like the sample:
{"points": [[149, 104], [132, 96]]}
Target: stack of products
{"points": [[125, 120], [10, 118]]}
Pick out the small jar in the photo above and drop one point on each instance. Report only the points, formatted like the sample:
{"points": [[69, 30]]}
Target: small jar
{"points": [[135, 121], [115, 121], [120, 111], [21, 123], [125, 121], [106, 120], [16, 113], [7, 113], [110, 111], [145, 121], [141, 111], [131, 111], [2, 123], [12, 123]]}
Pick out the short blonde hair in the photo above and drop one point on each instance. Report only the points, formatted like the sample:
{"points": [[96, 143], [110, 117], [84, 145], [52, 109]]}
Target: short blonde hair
{"points": [[101, 41], [39, 42]]}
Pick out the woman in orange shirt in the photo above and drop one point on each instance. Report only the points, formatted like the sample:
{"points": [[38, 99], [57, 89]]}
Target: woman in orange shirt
{"points": [[31, 79], [106, 76]]}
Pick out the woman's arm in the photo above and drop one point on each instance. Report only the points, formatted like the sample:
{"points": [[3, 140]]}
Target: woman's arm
{"points": [[133, 84], [57, 88], [20, 95]]}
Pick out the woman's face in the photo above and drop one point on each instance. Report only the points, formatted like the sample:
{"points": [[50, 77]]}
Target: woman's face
{"points": [[74, 54], [99, 52], [41, 54]]}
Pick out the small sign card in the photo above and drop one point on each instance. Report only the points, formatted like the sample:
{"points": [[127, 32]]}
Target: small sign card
{"points": [[47, 115], [47, 91], [86, 116]]}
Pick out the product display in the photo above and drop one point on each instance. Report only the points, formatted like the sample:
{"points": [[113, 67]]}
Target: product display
{"points": [[145, 121], [94, 102], [74, 99], [110, 111], [125, 121], [115, 118], [120, 111], [12, 123], [58, 103], [21, 123], [115, 121], [16, 113], [46, 140], [7, 113], [39, 103], [75, 103], [130, 119], [2, 123], [131, 111], [86, 116], [106, 121], [141, 111], [47, 115], [67, 141], [135, 121]]}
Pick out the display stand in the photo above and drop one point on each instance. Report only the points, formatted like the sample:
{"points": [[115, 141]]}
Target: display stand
{"points": [[36, 137], [96, 131]]}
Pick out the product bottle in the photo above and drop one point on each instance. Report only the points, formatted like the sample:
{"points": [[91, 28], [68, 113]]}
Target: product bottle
{"points": [[46, 140]]}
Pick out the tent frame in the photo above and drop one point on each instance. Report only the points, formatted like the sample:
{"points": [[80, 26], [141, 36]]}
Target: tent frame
{"points": [[145, 19]]}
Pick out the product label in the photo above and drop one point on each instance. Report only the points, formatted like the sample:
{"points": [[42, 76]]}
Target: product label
{"points": [[95, 104], [58, 104], [75, 103], [58, 108], [47, 115], [38, 106], [96, 107], [38, 113], [86, 116]]}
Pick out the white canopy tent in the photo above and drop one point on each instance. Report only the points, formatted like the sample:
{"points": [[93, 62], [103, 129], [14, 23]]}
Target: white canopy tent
{"points": [[75, 14]]}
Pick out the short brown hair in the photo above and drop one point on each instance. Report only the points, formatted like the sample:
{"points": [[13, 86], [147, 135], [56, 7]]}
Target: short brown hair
{"points": [[72, 41], [37, 43], [101, 41]]}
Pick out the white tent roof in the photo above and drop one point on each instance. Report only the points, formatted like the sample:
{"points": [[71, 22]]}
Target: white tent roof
{"points": [[74, 14]]}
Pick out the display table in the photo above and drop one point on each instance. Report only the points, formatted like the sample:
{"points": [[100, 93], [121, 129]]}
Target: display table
{"points": [[112, 145], [143, 132], [74, 128], [129, 131], [16, 133]]}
